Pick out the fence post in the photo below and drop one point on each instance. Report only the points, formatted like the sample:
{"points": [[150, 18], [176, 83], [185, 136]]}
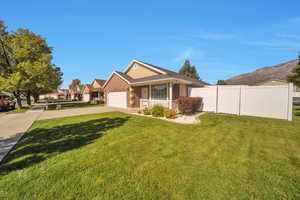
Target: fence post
{"points": [[217, 98], [240, 100], [290, 102]]}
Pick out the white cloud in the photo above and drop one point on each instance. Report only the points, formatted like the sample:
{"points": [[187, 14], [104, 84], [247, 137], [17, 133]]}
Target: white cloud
{"points": [[289, 36], [281, 43], [213, 36], [295, 20], [188, 54], [203, 35]]}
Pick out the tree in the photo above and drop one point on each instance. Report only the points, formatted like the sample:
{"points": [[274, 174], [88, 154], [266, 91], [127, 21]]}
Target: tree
{"points": [[294, 77], [26, 65], [221, 82], [188, 70], [75, 84]]}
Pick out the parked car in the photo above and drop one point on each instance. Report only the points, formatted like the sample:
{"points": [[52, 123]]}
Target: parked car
{"points": [[7, 102]]}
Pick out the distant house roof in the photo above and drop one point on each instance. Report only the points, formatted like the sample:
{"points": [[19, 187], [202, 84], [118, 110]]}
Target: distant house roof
{"points": [[100, 81], [164, 74]]}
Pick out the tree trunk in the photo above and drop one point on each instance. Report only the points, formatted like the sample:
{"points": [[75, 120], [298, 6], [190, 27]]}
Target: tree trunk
{"points": [[28, 98], [19, 100], [35, 98]]}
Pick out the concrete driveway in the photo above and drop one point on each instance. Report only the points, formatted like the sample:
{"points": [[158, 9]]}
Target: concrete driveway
{"points": [[2, 114]]}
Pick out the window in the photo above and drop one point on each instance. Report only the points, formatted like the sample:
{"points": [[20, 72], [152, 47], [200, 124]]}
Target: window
{"points": [[159, 91], [144, 92]]}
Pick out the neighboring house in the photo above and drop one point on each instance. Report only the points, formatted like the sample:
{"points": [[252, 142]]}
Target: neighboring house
{"points": [[273, 83], [278, 82], [143, 85], [76, 94], [57, 94], [93, 91]]}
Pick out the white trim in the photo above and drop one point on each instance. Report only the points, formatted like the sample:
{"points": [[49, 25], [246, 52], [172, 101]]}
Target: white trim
{"points": [[170, 94], [114, 72], [148, 66], [157, 80]]}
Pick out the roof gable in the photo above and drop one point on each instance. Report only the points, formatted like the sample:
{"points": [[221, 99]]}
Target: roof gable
{"points": [[87, 88], [160, 74], [137, 70], [98, 83]]}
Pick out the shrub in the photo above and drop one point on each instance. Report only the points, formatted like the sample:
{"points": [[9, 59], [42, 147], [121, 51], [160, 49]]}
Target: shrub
{"points": [[101, 101], [189, 104], [94, 102], [147, 111], [170, 113], [158, 110]]}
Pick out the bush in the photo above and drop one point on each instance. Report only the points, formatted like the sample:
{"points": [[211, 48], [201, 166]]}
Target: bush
{"points": [[94, 102], [158, 110], [101, 101], [170, 113], [189, 104], [147, 111]]}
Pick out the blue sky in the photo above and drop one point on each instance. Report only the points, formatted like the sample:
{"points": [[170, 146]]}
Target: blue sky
{"points": [[221, 38]]}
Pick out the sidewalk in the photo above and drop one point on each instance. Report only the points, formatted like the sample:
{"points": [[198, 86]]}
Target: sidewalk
{"points": [[12, 128], [80, 111]]}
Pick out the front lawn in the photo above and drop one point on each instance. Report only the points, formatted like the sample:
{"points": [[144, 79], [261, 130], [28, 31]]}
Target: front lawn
{"points": [[21, 110], [122, 156], [70, 105], [296, 108]]}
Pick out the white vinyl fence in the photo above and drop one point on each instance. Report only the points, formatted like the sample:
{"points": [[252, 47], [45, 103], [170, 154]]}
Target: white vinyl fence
{"points": [[261, 101]]}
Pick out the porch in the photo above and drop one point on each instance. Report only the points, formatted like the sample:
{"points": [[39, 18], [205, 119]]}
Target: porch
{"points": [[163, 93]]}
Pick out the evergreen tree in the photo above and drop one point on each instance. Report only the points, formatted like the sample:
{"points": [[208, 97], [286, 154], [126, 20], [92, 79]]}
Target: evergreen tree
{"points": [[188, 70], [221, 82], [294, 77]]}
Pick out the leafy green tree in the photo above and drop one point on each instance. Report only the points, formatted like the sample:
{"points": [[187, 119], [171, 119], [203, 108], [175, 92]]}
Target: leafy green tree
{"points": [[221, 82], [294, 77], [26, 65], [188, 70], [75, 84]]}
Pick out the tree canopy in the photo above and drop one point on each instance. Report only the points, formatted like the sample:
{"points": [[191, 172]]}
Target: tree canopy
{"points": [[294, 77], [188, 70], [75, 84], [26, 64]]}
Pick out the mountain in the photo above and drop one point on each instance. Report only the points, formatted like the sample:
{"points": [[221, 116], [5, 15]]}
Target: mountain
{"points": [[277, 73]]}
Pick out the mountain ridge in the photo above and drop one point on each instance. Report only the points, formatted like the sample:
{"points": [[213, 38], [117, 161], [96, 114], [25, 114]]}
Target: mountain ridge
{"points": [[268, 73]]}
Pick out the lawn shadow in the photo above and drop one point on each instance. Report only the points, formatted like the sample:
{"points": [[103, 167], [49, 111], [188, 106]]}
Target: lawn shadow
{"points": [[40, 144]]}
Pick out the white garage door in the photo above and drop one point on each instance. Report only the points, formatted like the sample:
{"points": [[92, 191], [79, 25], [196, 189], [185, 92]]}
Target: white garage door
{"points": [[117, 99], [86, 97]]}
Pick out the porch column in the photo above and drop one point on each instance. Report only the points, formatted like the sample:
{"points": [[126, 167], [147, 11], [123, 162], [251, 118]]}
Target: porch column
{"points": [[150, 92], [170, 95]]}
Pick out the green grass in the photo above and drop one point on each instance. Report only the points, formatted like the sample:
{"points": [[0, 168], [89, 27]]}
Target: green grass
{"points": [[65, 105], [122, 156], [22, 110], [296, 109]]}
